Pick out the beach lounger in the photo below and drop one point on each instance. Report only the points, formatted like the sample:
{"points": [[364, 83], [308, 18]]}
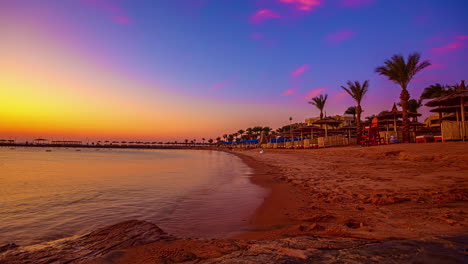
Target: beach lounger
{"points": [[424, 139]]}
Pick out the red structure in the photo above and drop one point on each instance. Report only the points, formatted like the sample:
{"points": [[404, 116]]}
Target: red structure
{"points": [[371, 134]]}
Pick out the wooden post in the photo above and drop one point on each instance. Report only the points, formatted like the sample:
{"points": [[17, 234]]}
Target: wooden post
{"points": [[462, 102]]}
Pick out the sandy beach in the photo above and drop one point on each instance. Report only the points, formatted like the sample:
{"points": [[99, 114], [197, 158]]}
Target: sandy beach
{"points": [[384, 204]]}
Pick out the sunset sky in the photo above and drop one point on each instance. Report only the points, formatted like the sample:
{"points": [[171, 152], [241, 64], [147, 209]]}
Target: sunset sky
{"points": [[176, 69]]}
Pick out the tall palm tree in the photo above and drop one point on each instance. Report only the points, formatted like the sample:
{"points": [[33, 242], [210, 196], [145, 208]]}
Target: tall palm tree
{"points": [[357, 91], [241, 132], [351, 111], [203, 139], [413, 105], [401, 72], [436, 90], [267, 130], [319, 102]]}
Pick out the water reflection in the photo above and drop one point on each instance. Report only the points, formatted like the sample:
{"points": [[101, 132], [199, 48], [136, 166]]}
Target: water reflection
{"points": [[51, 195]]}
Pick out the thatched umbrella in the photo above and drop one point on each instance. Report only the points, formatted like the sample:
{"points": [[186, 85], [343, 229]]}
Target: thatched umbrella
{"points": [[327, 122], [456, 98], [304, 130], [395, 114], [348, 129]]}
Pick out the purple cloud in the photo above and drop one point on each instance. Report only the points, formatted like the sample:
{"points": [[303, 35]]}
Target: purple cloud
{"points": [[449, 47], [314, 92], [302, 5], [263, 14], [299, 71], [288, 92], [114, 12], [356, 3], [339, 36]]}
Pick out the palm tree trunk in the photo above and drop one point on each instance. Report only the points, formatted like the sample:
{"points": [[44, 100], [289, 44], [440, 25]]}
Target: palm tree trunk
{"points": [[321, 115], [404, 96], [358, 124]]}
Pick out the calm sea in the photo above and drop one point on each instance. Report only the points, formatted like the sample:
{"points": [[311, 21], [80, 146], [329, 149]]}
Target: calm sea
{"points": [[46, 196]]}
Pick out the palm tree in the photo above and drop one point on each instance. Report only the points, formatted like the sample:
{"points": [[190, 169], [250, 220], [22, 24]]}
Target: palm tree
{"points": [[351, 111], [186, 142], [436, 90], [203, 139], [401, 72], [319, 102], [413, 105], [241, 132], [218, 139], [267, 130], [357, 91], [433, 91], [210, 140]]}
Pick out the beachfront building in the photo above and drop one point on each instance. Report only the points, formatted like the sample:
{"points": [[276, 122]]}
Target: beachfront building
{"points": [[7, 141], [66, 142], [345, 120]]}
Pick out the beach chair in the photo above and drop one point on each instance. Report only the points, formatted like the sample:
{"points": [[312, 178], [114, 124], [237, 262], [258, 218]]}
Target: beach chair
{"points": [[425, 139]]}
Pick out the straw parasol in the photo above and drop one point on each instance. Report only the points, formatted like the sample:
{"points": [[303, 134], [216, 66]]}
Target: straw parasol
{"points": [[394, 115], [454, 99], [327, 122], [348, 129]]}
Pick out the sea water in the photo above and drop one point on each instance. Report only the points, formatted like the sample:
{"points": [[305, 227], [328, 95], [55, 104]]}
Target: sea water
{"points": [[49, 195]]}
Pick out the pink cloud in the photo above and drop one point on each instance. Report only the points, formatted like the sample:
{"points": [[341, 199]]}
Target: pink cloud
{"points": [[314, 92], [436, 66], [299, 71], [424, 78], [114, 12], [263, 15], [302, 5], [449, 47], [340, 36], [462, 37], [218, 86], [288, 92], [341, 94], [356, 3]]}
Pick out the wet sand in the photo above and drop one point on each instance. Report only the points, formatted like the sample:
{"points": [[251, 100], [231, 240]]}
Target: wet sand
{"points": [[386, 204], [404, 191]]}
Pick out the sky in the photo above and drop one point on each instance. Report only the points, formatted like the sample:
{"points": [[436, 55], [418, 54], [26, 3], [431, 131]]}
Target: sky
{"points": [[176, 69]]}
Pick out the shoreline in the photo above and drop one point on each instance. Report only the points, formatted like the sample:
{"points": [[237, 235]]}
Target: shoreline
{"points": [[273, 214], [355, 203], [298, 202]]}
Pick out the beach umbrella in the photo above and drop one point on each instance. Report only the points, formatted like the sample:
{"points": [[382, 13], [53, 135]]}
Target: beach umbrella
{"points": [[395, 115], [327, 122], [348, 129], [456, 98]]}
